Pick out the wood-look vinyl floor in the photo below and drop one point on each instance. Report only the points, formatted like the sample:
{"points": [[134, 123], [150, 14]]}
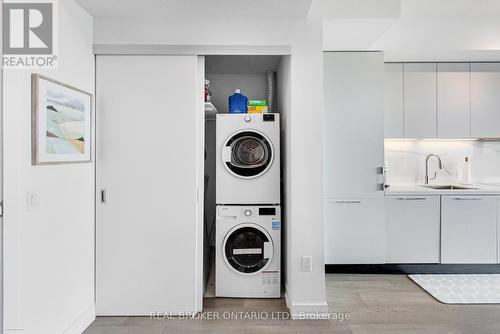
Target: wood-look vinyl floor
{"points": [[376, 304]]}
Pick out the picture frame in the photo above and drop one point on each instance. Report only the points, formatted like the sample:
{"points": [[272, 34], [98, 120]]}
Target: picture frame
{"points": [[61, 122]]}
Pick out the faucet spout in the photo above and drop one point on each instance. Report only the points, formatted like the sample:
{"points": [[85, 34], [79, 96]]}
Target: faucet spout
{"points": [[440, 164]]}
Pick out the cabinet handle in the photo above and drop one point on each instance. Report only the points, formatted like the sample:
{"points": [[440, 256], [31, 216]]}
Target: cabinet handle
{"points": [[467, 199], [412, 198], [348, 202], [103, 196]]}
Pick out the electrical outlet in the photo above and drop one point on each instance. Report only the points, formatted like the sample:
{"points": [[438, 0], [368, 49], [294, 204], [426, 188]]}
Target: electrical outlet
{"points": [[306, 263]]}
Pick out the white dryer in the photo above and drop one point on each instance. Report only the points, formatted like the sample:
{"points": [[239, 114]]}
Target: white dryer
{"points": [[248, 162], [248, 251]]}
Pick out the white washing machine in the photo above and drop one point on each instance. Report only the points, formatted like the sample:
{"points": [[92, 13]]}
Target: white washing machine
{"points": [[248, 251], [248, 162]]}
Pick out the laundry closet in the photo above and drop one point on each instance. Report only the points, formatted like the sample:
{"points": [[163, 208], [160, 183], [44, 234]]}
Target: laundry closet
{"points": [[156, 178]]}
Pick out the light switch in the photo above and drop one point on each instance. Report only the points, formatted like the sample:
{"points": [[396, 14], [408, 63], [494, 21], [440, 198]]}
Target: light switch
{"points": [[33, 201], [306, 263]]}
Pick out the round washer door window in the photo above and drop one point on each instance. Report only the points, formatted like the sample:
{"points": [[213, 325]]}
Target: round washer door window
{"points": [[248, 154], [247, 248]]}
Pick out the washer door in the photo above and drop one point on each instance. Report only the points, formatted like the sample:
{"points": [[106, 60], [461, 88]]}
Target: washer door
{"points": [[247, 248], [247, 154]]}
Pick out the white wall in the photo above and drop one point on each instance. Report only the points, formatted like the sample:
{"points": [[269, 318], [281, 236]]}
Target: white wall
{"points": [[305, 290], [49, 251], [406, 159]]}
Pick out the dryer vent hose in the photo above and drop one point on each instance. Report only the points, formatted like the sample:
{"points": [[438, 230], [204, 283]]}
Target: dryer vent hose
{"points": [[271, 90]]}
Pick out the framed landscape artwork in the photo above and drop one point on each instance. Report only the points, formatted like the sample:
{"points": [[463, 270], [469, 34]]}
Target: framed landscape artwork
{"points": [[61, 122]]}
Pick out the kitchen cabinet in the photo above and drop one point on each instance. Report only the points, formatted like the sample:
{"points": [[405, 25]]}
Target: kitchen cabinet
{"points": [[393, 101], [453, 100], [413, 229], [485, 100], [353, 157], [354, 231], [468, 229], [420, 100], [353, 124]]}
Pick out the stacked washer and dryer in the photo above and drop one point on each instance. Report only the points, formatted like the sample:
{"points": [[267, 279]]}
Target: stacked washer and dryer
{"points": [[248, 221]]}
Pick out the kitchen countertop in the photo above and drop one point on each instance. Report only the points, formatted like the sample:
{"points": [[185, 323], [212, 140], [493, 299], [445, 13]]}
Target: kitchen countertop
{"points": [[405, 189]]}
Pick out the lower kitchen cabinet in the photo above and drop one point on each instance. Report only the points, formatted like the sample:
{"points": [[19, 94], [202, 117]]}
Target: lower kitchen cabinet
{"points": [[354, 231], [468, 229], [413, 229]]}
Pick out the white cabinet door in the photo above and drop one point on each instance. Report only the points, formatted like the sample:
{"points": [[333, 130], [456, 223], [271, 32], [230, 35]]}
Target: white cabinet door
{"points": [[393, 101], [485, 100], [354, 124], [150, 162], [468, 229], [413, 229], [453, 100], [420, 100], [354, 231]]}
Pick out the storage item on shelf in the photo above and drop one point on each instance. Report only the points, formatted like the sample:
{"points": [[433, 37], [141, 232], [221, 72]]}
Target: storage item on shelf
{"points": [[208, 93], [210, 110], [257, 109], [466, 171], [257, 106], [270, 89], [238, 103], [257, 102]]}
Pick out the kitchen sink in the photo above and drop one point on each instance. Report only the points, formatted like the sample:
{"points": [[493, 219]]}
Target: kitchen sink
{"points": [[447, 186]]}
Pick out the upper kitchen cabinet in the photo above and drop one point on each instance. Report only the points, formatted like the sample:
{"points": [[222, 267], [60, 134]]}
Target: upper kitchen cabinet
{"points": [[485, 100], [420, 100], [453, 100], [354, 124], [393, 101]]}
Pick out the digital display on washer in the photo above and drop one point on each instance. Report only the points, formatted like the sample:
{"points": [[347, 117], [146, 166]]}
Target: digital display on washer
{"points": [[267, 211], [268, 117]]}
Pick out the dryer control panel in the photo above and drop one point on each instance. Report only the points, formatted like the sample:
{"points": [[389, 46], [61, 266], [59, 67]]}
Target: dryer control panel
{"points": [[248, 211]]}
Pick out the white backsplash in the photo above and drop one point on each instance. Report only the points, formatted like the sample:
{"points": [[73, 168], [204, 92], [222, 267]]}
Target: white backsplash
{"points": [[406, 160]]}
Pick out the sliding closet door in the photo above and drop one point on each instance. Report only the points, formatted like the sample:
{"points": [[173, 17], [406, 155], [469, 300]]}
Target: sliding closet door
{"points": [[149, 177]]}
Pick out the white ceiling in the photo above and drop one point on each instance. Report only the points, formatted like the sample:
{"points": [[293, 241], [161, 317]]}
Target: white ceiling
{"points": [[179, 9]]}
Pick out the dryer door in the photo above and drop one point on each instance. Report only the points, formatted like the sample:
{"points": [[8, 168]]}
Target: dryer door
{"points": [[247, 248], [248, 154]]}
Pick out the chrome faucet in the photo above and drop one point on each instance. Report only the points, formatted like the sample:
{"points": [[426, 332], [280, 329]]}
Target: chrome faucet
{"points": [[427, 178]]}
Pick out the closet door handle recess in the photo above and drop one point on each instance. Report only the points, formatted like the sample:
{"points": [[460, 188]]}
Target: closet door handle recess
{"points": [[103, 196]]}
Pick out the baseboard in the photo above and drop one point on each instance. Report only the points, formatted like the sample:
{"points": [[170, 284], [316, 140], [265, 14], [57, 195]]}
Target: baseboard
{"points": [[300, 311], [83, 321], [407, 269]]}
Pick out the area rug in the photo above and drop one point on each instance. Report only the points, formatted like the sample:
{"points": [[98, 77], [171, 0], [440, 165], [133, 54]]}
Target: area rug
{"points": [[461, 288]]}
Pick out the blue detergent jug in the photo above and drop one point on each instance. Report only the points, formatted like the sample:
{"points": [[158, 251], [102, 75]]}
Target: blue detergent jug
{"points": [[238, 103]]}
